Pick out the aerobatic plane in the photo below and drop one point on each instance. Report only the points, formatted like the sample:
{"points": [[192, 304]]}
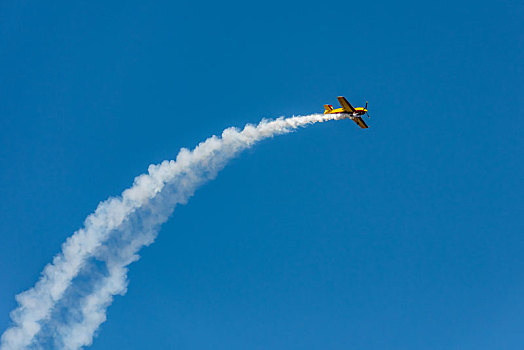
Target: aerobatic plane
{"points": [[347, 111]]}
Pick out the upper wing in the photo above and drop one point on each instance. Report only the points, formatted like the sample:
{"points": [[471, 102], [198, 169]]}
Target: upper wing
{"points": [[360, 122], [345, 104]]}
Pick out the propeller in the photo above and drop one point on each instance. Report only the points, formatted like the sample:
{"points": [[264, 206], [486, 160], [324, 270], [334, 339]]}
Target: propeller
{"points": [[367, 110]]}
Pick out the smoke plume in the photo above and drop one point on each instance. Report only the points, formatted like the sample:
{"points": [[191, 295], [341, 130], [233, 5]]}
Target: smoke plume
{"points": [[69, 302]]}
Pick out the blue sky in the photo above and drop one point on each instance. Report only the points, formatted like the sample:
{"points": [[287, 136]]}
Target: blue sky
{"points": [[406, 235]]}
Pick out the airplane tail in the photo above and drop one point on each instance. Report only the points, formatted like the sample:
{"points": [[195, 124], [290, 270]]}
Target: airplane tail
{"points": [[328, 108]]}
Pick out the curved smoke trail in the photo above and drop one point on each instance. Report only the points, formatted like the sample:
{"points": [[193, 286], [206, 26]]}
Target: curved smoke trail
{"points": [[68, 304]]}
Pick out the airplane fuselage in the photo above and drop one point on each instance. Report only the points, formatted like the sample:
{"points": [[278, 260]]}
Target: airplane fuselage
{"points": [[361, 110], [358, 111]]}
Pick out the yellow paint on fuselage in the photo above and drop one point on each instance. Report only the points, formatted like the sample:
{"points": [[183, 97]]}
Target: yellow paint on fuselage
{"points": [[359, 111]]}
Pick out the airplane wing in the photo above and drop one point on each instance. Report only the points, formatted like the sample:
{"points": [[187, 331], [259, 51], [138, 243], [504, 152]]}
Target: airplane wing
{"points": [[360, 122], [345, 104]]}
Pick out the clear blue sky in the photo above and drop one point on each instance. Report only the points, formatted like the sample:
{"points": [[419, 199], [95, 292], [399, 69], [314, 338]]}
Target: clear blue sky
{"points": [[407, 235]]}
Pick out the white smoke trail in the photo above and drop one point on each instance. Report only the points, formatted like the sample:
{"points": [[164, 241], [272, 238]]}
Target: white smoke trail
{"points": [[68, 304]]}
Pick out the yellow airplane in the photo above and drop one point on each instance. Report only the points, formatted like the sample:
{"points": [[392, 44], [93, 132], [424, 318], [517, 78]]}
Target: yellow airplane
{"points": [[348, 111]]}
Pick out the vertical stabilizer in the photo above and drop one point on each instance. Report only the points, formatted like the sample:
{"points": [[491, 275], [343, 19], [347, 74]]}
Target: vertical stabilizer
{"points": [[328, 108]]}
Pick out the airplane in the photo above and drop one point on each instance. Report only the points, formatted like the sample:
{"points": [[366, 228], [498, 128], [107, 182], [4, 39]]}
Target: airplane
{"points": [[348, 111]]}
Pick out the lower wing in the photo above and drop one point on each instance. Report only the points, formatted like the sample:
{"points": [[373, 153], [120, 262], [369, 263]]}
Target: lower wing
{"points": [[360, 122]]}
